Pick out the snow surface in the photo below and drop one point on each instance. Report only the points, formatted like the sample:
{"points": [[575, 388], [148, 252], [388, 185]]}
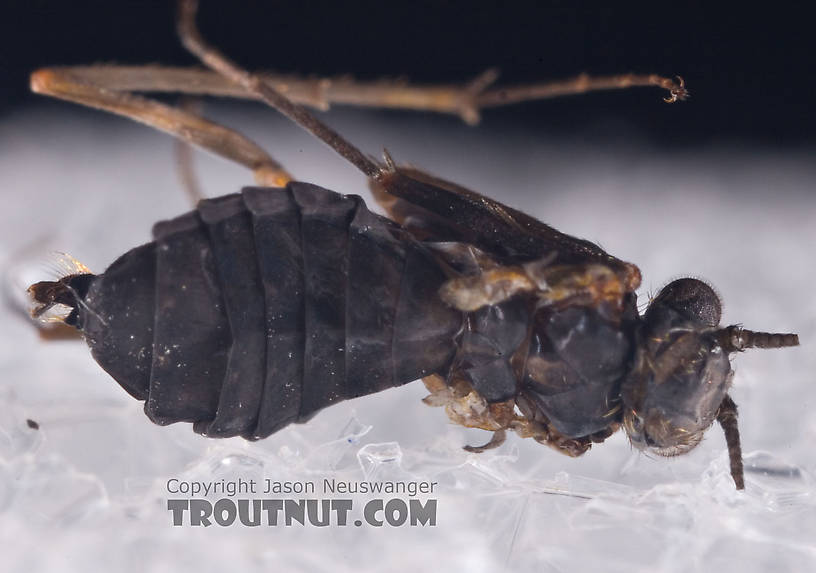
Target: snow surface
{"points": [[87, 491]]}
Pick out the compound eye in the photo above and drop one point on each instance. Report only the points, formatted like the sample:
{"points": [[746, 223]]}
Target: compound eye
{"points": [[692, 298]]}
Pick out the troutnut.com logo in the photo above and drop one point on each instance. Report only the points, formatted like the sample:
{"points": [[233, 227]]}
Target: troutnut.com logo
{"points": [[252, 504]]}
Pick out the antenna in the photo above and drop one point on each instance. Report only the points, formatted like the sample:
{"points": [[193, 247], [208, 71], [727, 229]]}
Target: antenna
{"points": [[736, 339]]}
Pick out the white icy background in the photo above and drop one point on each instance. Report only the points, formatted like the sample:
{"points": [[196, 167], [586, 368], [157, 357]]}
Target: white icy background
{"points": [[87, 491]]}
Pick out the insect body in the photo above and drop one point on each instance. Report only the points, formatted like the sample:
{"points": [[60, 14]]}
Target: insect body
{"points": [[260, 308]]}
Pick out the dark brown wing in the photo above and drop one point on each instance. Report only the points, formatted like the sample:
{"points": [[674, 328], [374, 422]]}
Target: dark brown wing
{"points": [[438, 210]]}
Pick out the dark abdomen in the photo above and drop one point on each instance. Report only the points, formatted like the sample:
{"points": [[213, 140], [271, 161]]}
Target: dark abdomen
{"points": [[261, 308]]}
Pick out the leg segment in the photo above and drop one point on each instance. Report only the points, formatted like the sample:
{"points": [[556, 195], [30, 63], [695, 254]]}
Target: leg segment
{"points": [[256, 85], [464, 406], [727, 417], [499, 436], [465, 100], [543, 434], [184, 158], [67, 84]]}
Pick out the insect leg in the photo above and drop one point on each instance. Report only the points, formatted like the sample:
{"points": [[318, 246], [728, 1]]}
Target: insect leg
{"points": [[186, 171], [465, 406], [318, 93], [466, 100], [72, 85], [581, 84], [544, 434], [727, 417], [184, 158], [498, 438], [255, 84]]}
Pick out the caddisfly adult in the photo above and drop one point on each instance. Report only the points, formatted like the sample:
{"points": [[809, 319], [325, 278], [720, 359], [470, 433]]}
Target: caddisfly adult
{"points": [[258, 309]]}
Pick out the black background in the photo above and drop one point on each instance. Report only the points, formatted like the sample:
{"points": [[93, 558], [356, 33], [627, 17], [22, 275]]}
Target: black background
{"points": [[750, 70]]}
